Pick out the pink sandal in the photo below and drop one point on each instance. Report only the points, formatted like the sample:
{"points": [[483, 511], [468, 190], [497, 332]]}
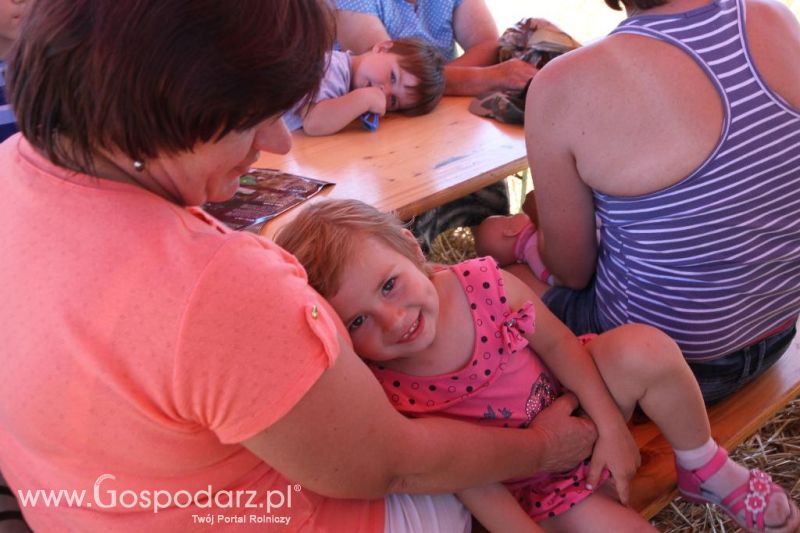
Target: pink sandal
{"points": [[753, 496]]}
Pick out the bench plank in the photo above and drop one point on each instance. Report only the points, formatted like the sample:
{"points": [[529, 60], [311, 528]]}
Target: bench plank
{"points": [[732, 421]]}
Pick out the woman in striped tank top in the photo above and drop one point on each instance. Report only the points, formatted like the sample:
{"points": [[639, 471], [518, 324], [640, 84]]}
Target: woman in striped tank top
{"points": [[680, 132]]}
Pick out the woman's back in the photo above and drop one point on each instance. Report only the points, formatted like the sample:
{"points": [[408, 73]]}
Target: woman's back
{"points": [[652, 115], [691, 158]]}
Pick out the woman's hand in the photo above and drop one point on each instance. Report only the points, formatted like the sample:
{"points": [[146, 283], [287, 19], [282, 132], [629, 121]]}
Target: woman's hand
{"points": [[617, 451], [512, 75], [344, 439], [567, 439]]}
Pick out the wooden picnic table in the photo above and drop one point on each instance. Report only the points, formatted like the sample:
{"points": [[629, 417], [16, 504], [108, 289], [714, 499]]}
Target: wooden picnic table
{"points": [[409, 164]]}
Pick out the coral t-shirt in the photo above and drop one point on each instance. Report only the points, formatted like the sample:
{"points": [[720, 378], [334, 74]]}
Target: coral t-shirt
{"points": [[142, 343]]}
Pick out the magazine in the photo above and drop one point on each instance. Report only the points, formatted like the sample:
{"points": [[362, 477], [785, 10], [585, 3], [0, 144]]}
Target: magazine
{"points": [[263, 194]]}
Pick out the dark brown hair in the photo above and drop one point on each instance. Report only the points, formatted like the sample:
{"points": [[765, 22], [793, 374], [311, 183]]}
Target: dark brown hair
{"points": [[427, 65], [144, 77], [324, 236], [641, 4]]}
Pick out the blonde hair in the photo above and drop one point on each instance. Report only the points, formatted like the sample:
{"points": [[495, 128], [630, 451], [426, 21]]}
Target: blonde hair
{"points": [[323, 237]]}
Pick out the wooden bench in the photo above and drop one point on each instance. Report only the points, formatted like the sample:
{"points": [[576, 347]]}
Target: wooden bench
{"points": [[732, 422]]}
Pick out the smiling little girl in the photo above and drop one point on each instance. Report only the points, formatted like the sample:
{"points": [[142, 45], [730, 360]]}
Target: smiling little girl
{"points": [[473, 342]]}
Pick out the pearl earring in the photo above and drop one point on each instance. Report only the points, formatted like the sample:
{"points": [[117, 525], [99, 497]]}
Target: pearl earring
{"points": [[138, 165]]}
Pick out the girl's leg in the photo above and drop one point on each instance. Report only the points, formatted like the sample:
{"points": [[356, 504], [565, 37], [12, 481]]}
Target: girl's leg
{"points": [[641, 364], [598, 512]]}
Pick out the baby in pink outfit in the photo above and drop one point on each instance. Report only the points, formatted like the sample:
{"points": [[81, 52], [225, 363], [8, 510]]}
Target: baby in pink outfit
{"points": [[471, 341], [512, 239]]}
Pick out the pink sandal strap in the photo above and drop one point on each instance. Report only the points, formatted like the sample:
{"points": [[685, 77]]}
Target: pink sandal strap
{"points": [[751, 496], [711, 467]]}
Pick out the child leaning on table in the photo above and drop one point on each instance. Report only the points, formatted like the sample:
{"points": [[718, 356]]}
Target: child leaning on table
{"points": [[471, 341], [402, 75]]}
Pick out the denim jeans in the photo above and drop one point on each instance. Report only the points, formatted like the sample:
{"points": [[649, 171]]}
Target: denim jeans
{"points": [[575, 308], [722, 377], [718, 378]]}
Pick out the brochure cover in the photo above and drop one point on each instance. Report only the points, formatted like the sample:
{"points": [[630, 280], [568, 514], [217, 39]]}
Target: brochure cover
{"points": [[263, 194]]}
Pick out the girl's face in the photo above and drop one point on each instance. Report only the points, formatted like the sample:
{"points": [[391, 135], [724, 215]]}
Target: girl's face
{"points": [[389, 305]]}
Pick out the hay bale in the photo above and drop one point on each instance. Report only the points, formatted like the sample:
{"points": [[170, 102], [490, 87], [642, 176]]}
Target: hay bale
{"points": [[453, 246]]}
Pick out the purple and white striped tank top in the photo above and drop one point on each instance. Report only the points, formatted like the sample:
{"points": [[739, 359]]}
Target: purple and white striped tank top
{"points": [[714, 260]]}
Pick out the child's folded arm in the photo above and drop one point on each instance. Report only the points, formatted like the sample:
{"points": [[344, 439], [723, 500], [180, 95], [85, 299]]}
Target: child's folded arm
{"points": [[327, 117]]}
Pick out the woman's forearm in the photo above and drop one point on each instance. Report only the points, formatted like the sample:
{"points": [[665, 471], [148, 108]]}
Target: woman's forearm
{"points": [[511, 75], [452, 455], [480, 55], [343, 439]]}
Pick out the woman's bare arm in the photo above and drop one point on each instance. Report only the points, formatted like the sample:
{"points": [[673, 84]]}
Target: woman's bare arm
{"points": [[359, 32], [343, 439], [477, 71], [564, 203], [476, 33]]}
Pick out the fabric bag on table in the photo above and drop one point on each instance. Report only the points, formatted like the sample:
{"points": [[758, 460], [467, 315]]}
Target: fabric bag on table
{"points": [[535, 41]]}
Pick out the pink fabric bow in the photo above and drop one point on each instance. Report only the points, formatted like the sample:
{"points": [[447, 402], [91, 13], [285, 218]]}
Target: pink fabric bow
{"points": [[515, 326]]}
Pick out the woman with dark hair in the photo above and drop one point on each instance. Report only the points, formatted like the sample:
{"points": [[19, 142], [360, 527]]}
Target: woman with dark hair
{"points": [[680, 131], [165, 372]]}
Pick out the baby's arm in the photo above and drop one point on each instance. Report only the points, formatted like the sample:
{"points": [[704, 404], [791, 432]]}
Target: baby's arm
{"points": [[329, 116], [573, 366], [497, 510]]}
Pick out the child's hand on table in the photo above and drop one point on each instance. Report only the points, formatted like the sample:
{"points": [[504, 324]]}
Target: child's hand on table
{"points": [[373, 98]]}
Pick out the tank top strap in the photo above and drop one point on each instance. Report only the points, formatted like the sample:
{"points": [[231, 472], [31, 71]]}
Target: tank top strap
{"points": [[714, 37], [482, 282]]}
